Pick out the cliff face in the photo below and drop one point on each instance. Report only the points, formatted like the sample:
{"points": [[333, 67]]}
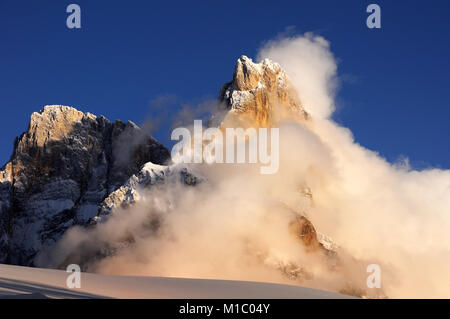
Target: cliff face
{"points": [[61, 170], [259, 95]]}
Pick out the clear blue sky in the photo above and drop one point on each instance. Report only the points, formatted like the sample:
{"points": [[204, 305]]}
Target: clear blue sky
{"points": [[394, 95]]}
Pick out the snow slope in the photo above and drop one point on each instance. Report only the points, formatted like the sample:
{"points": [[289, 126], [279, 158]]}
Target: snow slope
{"points": [[25, 282]]}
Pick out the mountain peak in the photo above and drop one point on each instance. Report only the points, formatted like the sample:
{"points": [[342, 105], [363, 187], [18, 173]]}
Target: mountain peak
{"points": [[55, 108], [54, 123], [61, 170], [60, 113], [260, 93]]}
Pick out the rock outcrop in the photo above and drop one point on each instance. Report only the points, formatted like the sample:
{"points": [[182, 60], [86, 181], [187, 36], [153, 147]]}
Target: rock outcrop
{"points": [[150, 174], [61, 170], [259, 94]]}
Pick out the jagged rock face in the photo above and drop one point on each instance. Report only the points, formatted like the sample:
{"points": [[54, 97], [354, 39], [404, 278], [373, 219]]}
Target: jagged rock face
{"points": [[306, 232], [61, 170], [260, 94]]}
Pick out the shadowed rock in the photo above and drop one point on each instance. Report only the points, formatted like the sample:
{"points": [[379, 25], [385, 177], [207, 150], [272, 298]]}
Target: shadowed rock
{"points": [[61, 170]]}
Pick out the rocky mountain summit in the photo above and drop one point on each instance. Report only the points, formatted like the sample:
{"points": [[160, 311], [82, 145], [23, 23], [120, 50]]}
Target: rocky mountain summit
{"points": [[259, 94], [61, 170]]}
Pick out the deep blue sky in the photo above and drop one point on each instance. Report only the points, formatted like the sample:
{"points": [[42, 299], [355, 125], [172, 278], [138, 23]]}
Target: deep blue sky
{"points": [[395, 89]]}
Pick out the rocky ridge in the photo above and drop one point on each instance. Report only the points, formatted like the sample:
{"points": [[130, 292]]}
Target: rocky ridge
{"points": [[61, 170], [259, 94]]}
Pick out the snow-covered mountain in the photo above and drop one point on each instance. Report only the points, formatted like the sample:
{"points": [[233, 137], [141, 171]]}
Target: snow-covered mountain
{"points": [[61, 170], [259, 95]]}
